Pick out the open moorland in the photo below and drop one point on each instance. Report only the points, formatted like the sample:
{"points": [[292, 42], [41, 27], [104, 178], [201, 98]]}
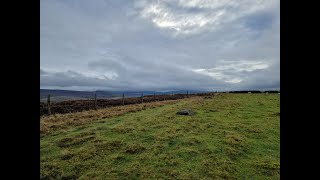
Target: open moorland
{"points": [[229, 136]]}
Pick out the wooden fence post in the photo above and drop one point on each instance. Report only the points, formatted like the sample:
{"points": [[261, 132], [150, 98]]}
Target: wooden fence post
{"points": [[95, 100], [142, 97], [187, 93], [123, 99], [48, 103], [154, 96]]}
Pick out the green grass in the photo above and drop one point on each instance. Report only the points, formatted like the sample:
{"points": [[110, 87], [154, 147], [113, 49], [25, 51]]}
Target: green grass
{"points": [[232, 136]]}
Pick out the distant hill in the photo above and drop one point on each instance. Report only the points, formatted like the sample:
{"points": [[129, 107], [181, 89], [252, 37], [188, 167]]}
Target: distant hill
{"points": [[44, 93], [64, 95]]}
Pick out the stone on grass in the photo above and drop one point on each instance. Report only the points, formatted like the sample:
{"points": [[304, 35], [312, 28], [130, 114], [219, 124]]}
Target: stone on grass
{"points": [[186, 112]]}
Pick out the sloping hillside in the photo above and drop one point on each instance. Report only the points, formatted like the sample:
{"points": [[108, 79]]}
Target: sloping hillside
{"points": [[231, 136]]}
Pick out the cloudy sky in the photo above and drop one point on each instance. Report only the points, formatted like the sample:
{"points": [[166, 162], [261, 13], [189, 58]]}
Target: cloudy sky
{"points": [[160, 44]]}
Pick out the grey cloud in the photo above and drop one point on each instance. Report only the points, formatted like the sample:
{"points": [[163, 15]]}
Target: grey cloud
{"points": [[109, 45]]}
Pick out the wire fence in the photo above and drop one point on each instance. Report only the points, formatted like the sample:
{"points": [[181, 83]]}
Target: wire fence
{"points": [[55, 104], [56, 97]]}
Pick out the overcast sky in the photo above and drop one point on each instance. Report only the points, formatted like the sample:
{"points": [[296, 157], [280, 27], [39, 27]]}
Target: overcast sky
{"points": [[160, 44]]}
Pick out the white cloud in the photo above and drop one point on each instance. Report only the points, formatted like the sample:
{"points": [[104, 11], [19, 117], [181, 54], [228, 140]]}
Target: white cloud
{"points": [[221, 72], [106, 75], [184, 17], [101, 76]]}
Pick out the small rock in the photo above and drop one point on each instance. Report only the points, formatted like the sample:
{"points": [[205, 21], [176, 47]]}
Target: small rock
{"points": [[187, 112]]}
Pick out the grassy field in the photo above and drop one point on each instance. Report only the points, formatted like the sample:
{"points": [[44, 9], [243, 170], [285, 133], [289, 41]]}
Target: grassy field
{"points": [[231, 136]]}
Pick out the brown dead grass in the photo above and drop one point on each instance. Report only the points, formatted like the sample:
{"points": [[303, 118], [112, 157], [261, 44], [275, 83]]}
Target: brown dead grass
{"points": [[48, 124]]}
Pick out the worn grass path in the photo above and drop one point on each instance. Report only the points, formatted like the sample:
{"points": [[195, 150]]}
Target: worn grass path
{"points": [[231, 136]]}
